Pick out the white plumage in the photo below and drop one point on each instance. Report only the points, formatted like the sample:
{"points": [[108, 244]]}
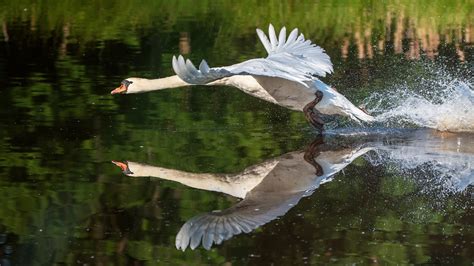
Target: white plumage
{"points": [[293, 59], [268, 190], [287, 77]]}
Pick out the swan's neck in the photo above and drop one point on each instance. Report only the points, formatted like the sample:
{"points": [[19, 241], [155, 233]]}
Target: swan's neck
{"points": [[159, 84], [204, 181], [237, 185]]}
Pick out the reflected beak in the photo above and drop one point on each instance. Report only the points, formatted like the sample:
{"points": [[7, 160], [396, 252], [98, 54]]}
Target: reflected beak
{"points": [[121, 89], [124, 167]]}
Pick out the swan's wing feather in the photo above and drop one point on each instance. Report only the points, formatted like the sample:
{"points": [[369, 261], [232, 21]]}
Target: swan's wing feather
{"points": [[272, 35], [186, 70], [213, 228], [282, 38], [217, 226], [295, 50], [292, 58], [263, 38]]}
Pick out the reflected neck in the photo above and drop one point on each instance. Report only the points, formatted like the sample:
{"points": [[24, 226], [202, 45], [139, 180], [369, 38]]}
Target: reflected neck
{"points": [[204, 181], [160, 84], [237, 185]]}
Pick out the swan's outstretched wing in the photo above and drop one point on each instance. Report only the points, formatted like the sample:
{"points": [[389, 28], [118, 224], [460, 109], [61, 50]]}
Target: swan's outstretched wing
{"points": [[247, 215], [296, 52], [292, 58]]}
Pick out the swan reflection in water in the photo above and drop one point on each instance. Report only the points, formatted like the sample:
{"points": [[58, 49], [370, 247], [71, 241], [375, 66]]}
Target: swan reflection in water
{"points": [[271, 188], [268, 190]]}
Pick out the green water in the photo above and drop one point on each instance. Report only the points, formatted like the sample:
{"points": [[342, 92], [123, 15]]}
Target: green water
{"points": [[64, 202]]}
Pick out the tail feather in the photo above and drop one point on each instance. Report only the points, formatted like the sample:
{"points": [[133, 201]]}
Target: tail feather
{"points": [[336, 103], [361, 116]]}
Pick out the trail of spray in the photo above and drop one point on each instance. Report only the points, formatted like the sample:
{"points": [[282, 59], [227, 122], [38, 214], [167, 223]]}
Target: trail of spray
{"points": [[447, 172], [441, 102], [436, 160]]}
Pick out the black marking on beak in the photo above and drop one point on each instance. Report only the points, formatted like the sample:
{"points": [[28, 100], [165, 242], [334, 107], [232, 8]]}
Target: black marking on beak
{"points": [[124, 167], [127, 172]]}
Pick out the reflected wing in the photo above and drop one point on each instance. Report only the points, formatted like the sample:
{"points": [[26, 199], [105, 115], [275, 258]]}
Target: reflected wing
{"points": [[218, 226], [292, 58]]}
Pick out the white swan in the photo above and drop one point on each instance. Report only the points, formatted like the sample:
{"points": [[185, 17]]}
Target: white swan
{"points": [[285, 77], [268, 190]]}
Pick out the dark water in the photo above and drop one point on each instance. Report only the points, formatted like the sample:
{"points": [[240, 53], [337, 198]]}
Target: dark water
{"points": [[384, 196]]}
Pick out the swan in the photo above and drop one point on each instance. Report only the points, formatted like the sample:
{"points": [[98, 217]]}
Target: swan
{"points": [[268, 189], [286, 77]]}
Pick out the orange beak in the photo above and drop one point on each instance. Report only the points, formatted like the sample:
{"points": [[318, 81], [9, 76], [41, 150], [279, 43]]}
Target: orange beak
{"points": [[123, 166], [121, 89]]}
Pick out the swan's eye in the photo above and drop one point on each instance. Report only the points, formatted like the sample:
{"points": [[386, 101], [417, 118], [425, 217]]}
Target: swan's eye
{"points": [[126, 83]]}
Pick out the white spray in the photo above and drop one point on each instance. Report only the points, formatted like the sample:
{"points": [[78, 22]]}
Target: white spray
{"points": [[441, 102]]}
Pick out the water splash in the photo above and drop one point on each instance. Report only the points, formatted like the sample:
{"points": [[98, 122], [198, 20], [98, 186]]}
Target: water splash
{"points": [[441, 102], [439, 161]]}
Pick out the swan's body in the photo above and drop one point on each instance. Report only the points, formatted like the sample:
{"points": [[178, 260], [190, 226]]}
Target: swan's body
{"points": [[286, 77], [268, 190]]}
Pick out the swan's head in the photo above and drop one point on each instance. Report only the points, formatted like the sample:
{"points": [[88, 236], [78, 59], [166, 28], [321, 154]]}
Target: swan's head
{"points": [[124, 167], [129, 85]]}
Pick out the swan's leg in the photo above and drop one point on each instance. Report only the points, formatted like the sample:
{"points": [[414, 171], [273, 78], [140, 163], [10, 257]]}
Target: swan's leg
{"points": [[312, 115], [362, 107], [312, 152]]}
